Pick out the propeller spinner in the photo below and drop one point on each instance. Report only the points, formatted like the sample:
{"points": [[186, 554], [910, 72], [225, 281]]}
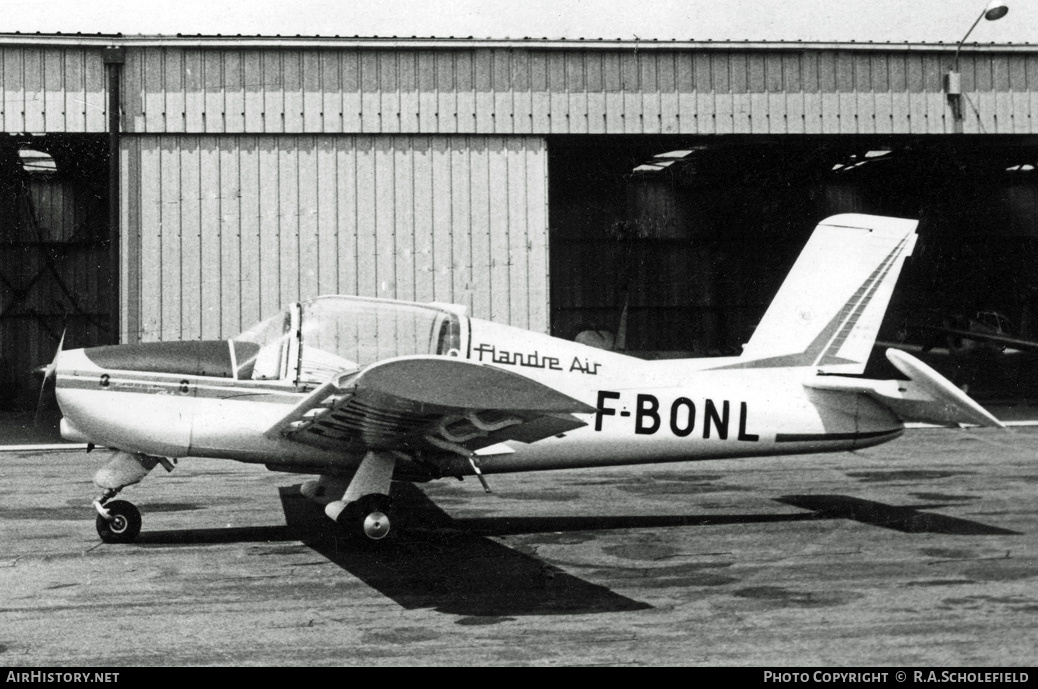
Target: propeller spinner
{"points": [[48, 400]]}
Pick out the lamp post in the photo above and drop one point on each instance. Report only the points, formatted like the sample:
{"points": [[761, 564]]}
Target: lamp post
{"points": [[995, 10]]}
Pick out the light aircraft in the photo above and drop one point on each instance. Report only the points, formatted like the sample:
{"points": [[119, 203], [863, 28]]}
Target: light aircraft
{"points": [[978, 354], [361, 392], [989, 330]]}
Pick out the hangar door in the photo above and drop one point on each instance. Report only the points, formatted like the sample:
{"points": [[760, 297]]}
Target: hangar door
{"points": [[221, 231], [675, 246], [54, 276]]}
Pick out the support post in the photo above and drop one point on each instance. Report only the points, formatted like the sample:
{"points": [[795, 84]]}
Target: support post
{"points": [[114, 58]]}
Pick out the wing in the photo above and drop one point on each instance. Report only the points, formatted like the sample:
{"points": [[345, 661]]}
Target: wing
{"points": [[418, 402], [1015, 342]]}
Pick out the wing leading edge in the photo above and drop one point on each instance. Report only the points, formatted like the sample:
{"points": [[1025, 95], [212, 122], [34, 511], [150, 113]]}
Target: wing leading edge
{"points": [[411, 403]]}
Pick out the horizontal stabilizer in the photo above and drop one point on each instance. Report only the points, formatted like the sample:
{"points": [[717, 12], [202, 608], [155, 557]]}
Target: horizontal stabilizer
{"points": [[927, 396], [942, 390]]}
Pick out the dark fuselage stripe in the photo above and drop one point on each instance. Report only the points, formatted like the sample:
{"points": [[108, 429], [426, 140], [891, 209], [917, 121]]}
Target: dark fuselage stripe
{"points": [[220, 388], [819, 437]]}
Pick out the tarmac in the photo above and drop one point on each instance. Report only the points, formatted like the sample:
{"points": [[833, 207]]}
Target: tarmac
{"points": [[920, 552]]}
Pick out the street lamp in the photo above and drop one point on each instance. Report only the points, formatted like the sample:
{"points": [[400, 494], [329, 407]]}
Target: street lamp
{"points": [[995, 10]]}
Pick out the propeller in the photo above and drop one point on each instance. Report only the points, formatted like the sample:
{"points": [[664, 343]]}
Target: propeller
{"points": [[48, 400]]}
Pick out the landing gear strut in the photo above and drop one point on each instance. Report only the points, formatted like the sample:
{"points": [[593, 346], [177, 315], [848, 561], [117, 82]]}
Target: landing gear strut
{"points": [[365, 508], [118, 521]]}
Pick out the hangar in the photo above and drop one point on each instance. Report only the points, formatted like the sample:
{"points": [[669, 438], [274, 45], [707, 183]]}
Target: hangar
{"points": [[649, 194]]}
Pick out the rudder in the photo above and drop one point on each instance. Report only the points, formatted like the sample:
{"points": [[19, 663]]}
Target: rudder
{"points": [[828, 310]]}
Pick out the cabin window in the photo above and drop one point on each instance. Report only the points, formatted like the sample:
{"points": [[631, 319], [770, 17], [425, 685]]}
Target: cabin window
{"points": [[348, 333]]}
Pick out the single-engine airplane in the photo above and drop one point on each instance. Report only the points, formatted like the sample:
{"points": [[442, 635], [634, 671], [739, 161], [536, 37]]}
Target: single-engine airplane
{"points": [[978, 354], [361, 392]]}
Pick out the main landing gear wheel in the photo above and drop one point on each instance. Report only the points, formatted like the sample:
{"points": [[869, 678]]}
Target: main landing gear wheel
{"points": [[368, 517], [123, 525]]}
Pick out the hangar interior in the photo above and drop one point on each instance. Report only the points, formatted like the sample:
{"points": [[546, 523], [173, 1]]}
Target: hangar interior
{"points": [[674, 246], [54, 238]]}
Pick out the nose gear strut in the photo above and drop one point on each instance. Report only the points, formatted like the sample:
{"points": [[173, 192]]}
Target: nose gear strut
{"points": [[119, 521]]}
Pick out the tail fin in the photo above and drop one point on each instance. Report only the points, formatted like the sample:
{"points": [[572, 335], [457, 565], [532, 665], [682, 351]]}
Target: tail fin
{"points": [[828, 311]]}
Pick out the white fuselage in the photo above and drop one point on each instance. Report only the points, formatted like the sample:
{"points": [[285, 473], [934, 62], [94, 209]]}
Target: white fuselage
{"points": [[646, 411]]}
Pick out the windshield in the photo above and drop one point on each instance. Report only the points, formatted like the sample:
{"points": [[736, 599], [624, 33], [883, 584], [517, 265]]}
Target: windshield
{"points": [[261, 352], [339, 334]]}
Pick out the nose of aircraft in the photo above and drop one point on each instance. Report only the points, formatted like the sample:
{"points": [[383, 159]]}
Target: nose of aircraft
{"points": [[55, 394], [123, 396], [136, 396]]}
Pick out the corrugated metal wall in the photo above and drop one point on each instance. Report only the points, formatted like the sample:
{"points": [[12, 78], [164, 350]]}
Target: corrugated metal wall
{"points": [[506, 91], [220, 231], [572, 91], [52, 90], [643, 89]]}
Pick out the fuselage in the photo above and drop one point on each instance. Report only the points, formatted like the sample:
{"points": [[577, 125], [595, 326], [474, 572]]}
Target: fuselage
{"points": [[190, 399]]}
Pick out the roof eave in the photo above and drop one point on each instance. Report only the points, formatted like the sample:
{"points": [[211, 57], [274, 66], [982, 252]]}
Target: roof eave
{"points": [[416, 43]]}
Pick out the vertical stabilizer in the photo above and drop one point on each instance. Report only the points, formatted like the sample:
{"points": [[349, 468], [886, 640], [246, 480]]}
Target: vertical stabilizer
{"points": [[828, 311]]}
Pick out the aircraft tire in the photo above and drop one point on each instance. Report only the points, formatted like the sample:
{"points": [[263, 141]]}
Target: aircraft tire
{"points": [[124, 526], [370, 517]]}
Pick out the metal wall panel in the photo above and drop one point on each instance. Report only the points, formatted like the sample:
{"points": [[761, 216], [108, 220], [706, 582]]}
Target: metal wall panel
{"points": [[220, 231], [52, 89], [639, 89]]}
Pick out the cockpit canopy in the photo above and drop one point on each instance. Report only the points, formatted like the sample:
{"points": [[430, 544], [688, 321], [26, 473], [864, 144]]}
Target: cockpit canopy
{"points": [[311, 341]]}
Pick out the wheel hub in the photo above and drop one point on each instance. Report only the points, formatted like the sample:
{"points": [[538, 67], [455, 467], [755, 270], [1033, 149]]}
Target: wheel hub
{"points": [[376, 525], [118, 522]]}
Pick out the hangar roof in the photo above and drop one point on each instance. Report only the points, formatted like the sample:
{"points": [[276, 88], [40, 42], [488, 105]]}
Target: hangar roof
{"points": [[456, 42]]}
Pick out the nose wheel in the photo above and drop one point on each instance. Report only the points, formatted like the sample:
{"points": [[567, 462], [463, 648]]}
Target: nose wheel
{"points": [[122, 523]]}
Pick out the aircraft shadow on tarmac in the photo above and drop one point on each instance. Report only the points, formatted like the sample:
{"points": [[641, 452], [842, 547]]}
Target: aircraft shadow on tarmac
{"points": [[904, 519], [451, 565], [435, 562]]}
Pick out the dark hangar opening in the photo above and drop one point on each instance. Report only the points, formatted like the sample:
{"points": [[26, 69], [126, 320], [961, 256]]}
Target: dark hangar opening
{"points": [[674, 246], [55, 273]]}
